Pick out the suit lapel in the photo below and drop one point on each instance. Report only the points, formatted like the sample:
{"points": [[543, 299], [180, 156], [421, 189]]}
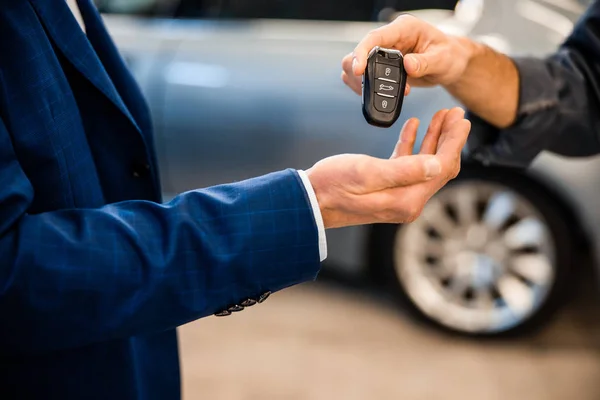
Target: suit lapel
{"points": [[114, 64], [62, 26]]}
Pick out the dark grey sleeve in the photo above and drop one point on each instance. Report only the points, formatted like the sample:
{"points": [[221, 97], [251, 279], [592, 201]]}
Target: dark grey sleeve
{"points": [[559, 104]]}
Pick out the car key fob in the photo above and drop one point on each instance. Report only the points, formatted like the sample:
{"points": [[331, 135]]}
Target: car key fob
{"points": [[384, 82]]}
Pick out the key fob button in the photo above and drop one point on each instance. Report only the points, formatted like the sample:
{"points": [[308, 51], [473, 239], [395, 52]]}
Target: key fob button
{"points": [[385, 104], [385, 87], [387, 72]]}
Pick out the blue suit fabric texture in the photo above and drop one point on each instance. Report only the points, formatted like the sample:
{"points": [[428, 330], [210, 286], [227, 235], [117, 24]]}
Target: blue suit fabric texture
{"points": [[96, 272]]}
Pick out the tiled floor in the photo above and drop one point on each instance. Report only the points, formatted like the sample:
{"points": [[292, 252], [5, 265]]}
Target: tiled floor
{"points": [[323, 342]]}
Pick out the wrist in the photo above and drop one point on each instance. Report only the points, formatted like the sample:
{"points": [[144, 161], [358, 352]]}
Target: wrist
{"points": [[466, 52], [488, 85], [322, 198]]}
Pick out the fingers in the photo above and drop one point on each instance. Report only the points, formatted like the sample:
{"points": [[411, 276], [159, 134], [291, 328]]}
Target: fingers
{"points": [[420, 65], [378, 37], [458, 133], [408, 136], [434, 131], [455, 131], [352, 82], [405, 171], [401, 33], [406, 34], [347, 63]]}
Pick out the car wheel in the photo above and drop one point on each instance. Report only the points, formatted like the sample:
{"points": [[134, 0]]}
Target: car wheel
{"points": [[489, 255]]}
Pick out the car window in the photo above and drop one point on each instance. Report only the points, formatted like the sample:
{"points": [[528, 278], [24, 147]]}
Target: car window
{"points": [[335, 10], [352, 10], [150, 8]]}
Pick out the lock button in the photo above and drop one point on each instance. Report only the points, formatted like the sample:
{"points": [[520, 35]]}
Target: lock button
{"points": [[386, 104]]}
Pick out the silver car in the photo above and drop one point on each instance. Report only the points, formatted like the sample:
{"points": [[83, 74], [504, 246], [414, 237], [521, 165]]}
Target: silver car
{"points": [[243, 88]]}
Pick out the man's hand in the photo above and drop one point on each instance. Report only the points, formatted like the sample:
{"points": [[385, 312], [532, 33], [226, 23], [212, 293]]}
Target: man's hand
{"points": [[431, 57], [485, 81], [358, 189]]}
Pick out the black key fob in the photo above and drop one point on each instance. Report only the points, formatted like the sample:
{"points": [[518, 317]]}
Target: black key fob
{"points": [[384, 82]]}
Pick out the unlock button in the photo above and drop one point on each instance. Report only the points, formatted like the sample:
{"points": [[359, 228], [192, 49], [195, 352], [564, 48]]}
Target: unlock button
{"points": [[387, 72], [385, 104]]}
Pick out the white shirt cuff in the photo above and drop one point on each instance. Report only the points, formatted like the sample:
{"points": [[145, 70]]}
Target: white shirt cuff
{"points": [[317, 213]]}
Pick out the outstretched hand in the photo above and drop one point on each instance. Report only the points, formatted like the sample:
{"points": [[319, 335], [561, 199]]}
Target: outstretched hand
{"points": [[358, 189]]}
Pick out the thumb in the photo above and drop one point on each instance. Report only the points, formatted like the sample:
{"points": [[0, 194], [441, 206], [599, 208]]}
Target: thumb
{"points": [[408, 170], [420, 65]]}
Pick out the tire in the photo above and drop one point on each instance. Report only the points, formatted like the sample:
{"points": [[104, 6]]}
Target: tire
{"points": [[505, 277]]}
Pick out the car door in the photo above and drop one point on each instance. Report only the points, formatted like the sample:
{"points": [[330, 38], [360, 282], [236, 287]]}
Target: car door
{"points": [[235, 97], [245, 97], [238, 91], [248, 98]]}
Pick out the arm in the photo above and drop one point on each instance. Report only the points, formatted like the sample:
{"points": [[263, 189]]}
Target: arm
{"points": [[558, 105], [523, 105], [479, 77], [489, 85], [74, 277]]}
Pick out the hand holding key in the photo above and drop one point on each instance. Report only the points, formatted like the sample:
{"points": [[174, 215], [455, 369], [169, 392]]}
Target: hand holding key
{"points": [[357, 189], [430, 56]]}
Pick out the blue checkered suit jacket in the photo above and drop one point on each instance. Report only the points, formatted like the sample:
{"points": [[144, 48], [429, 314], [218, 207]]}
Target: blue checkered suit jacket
{"points": [[96, 273]]}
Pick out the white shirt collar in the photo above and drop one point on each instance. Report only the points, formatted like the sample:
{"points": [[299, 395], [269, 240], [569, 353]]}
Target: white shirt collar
{"points": [[75, 9]]}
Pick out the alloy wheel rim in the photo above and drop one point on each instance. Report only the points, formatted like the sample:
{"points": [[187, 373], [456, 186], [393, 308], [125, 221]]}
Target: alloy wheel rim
{"points": [[480, 258]]}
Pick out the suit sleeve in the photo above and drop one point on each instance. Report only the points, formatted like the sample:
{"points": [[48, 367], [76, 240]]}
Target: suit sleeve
{"points": [[559, 104], [74, 277]]}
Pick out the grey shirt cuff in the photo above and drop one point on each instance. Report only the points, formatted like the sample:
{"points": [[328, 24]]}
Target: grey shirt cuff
{"points": [[532, 132]]}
